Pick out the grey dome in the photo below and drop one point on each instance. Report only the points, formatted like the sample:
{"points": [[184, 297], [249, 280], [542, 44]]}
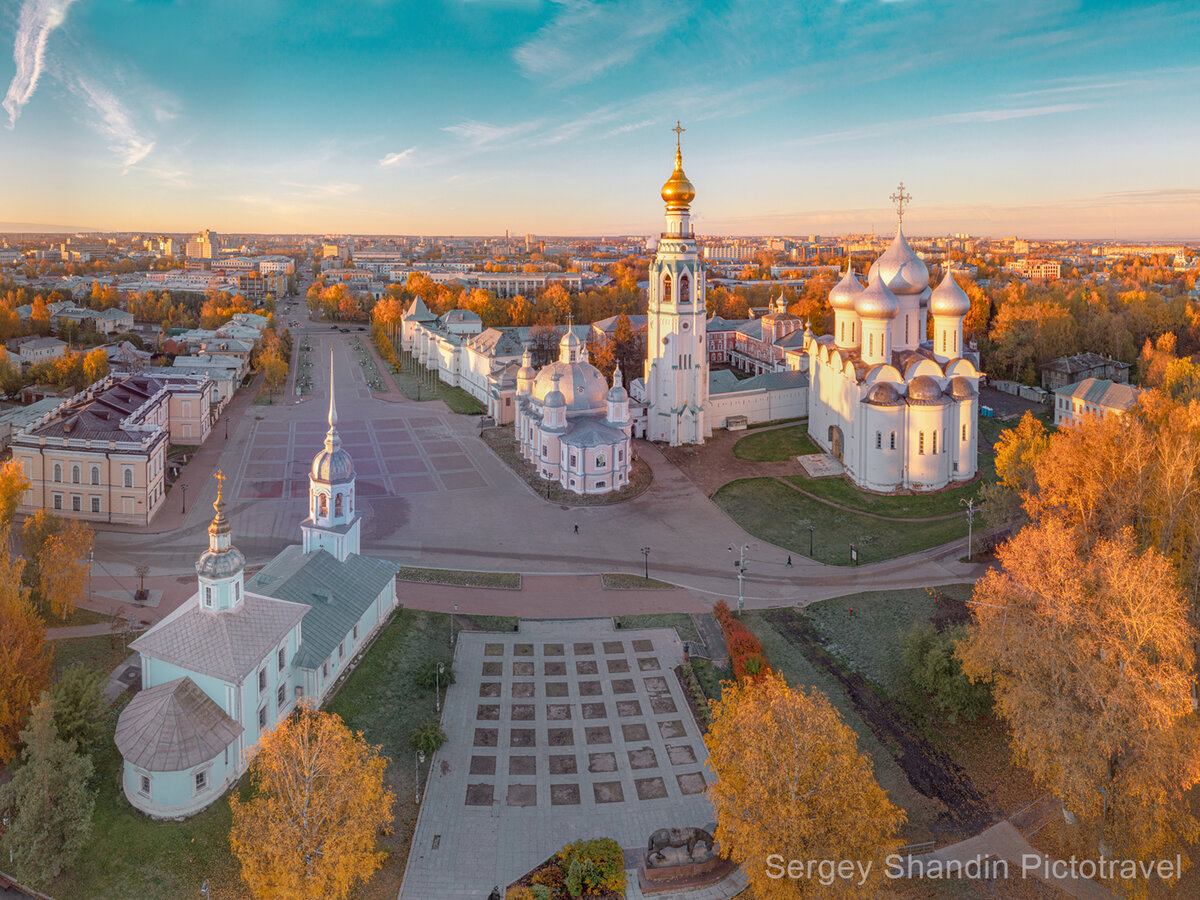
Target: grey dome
{"points": [[220, 564], [845, 291], [555, 399], [900, 268], [582, 386], [877, 302], [924, 387], [884, 394], [948, 299], [961, 388], [333, 465]]}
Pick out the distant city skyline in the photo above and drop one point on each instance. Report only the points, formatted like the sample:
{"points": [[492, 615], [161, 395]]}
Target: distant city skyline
{"points": [[1042, 118]]}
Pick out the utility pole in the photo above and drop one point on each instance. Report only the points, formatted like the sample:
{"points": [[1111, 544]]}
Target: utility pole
{"points": [[970, 505]]}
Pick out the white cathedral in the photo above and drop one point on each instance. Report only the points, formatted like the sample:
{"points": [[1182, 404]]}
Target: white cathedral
{"points": [[897, 410]]}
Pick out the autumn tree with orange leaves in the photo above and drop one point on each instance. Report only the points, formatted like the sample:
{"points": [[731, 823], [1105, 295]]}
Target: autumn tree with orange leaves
{"points": [[1088, 627], [24, 659], [790, 780], [310, 830]]}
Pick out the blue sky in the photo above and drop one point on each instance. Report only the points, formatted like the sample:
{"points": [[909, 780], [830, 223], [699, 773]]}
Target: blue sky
{"points": [[1034, 117]]}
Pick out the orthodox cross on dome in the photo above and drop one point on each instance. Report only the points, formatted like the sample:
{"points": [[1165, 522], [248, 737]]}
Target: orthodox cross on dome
{"points": [[679, 130], [220, 476], [901, 199]]}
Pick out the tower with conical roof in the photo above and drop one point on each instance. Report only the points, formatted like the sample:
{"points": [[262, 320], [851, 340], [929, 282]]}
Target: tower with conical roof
{"points": [[676, 373], [220, 569], [333, 521]]}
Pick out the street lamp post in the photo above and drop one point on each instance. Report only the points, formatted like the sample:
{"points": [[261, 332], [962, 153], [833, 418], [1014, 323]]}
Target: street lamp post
{"points": [[740, 565], [437, 687], [970, 505], [811, 528], [646, 554], [183, 507], [455, 613], [420, 760], [226, 427]]}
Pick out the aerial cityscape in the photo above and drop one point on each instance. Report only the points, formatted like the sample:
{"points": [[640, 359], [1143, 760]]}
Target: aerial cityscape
{"points": [[539, 449]]}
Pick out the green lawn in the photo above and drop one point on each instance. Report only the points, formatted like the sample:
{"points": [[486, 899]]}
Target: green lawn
{"points": [[102, 652], [681, 622], [625, 581], [77, 616], [418, 383], [776, 445], [460, 401], [132, 857], [868, 640], [899, 506], [494, 623], [508, 580], [774, 512]]}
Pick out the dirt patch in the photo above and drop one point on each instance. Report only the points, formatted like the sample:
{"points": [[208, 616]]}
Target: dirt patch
{"points": [[950, 611], [930, 771]]}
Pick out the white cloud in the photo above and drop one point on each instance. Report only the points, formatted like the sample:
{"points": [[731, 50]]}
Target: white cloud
{"points": [[978, 116], [588, 38], [482, 134], [398, 159], [37, 19], [115, 122]]}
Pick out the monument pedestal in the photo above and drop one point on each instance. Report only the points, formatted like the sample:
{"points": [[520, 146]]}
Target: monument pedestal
{"points": [[680, 875]]}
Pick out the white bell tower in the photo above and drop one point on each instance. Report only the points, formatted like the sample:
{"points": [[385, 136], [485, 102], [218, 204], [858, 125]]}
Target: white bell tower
{"points": [[676, 374], [333, 519]]}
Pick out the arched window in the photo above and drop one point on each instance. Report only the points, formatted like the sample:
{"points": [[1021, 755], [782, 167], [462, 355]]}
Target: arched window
{"points": [[337, 505], [666, 288], [95, 474], [74, 474], [684, 289], [350, 506], [129, 478], [322, 505], [57, 472]]}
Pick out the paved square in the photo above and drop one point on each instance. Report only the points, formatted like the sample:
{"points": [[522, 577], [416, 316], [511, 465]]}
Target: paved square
{"points": [[552, 738]]}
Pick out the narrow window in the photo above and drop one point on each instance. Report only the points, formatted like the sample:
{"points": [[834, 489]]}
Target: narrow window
{"points": [[322, 505], [281, 696], [95, 474], [943, 342], [144, 785], [58, 501], [921, 443], [935, 441], [282, 657], [208, 597], [893, 440], [337, 505], [262, 679], [95, 504], [684, 289], [355, 634], [74, 474], [964, 432], [666, 288], [906, 329], [262, 718], [201, 780], [956, 342], [237, 591], [843, 332], [341, 649], [325, 669], [128, 477], [871, 345], [878, 440], [57, 472], [75, 503]]}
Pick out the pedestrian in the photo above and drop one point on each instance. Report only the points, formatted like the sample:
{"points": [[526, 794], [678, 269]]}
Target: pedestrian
{"points": [[789, 562], [577, 528]]}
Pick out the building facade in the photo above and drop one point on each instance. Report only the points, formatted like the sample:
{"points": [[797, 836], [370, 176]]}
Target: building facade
{"points": [[1098, 398]]}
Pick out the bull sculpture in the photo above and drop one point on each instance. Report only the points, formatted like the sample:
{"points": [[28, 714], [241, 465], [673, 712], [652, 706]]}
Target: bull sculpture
{"points": [[676, 837]]}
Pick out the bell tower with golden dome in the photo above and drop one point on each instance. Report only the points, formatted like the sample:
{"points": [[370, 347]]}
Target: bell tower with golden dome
{"points": [[676, 374]]}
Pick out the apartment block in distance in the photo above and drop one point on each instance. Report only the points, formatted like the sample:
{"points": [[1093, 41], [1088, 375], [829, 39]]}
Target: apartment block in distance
{"points": [[102, 455]]}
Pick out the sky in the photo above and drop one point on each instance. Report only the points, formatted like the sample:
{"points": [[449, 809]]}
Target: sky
{"points": [[1038, 118]]}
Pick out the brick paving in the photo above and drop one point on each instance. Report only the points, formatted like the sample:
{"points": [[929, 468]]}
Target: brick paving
{"points": [[564, 730]]}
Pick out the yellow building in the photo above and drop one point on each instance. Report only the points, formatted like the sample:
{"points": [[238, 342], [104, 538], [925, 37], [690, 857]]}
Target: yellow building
{"points": [[102, 455]]}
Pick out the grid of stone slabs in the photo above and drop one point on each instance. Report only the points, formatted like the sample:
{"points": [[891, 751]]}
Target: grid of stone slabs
{"points": [[561, 731]]}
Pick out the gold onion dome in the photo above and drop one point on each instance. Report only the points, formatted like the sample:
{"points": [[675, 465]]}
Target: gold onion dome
{"points": [[678, 191]]}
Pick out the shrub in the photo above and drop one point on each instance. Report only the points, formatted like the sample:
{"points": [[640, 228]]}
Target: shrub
{"points": [[552, 878], [935, 671], [519, 892], [429, 737], [541, 892], [427, 676], [593, 867]]}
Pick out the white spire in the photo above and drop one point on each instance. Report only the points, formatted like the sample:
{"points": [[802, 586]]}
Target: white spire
{"points": [[332, 405]]}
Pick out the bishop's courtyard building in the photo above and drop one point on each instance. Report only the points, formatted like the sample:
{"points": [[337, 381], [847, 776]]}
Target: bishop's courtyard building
{"points": [[234, 659]]}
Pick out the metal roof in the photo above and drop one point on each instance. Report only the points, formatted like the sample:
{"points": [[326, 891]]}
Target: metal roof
{"points": [[226, 644], [337, 594], [173, 726]]}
